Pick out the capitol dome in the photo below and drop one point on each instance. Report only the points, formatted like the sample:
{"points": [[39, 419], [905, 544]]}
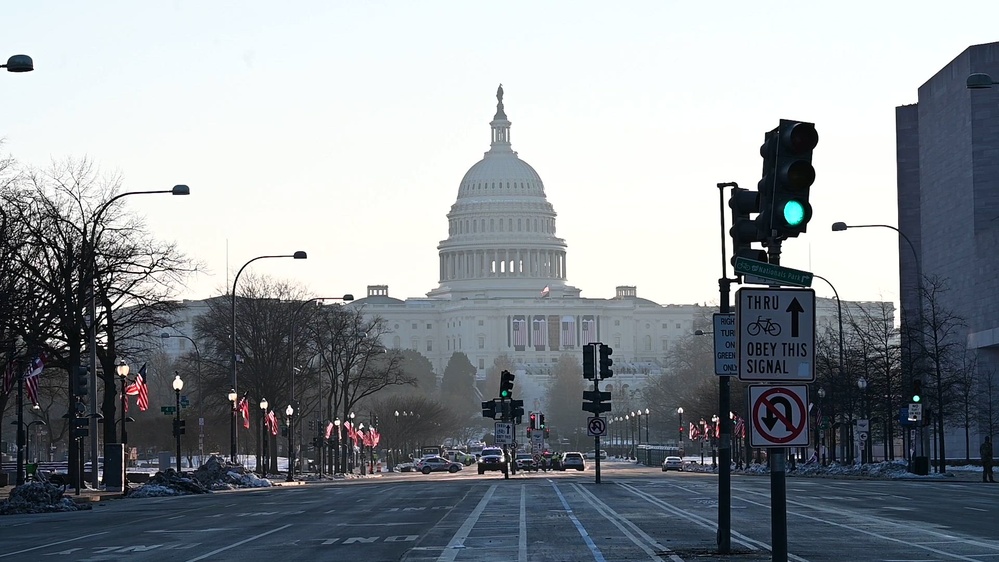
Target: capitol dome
{"points": [[501, 229]]}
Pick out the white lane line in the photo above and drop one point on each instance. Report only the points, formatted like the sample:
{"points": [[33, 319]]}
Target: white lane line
{"points": [[883, 523], [616, 518], [46, 545], [458, 540], [597, 555], [522, 545], [974, 508], [234, 545]]}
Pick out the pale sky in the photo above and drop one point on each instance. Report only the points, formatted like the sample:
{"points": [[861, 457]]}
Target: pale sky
{"points": [[344, 128]]}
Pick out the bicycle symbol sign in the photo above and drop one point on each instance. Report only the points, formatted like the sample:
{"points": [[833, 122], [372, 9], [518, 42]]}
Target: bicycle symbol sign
{"points": [[775, 339]]}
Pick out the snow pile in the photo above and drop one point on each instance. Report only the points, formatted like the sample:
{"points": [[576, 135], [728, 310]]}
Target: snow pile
{"points": [[168, 483], [39, 497], [219, 474], [886, 470]]}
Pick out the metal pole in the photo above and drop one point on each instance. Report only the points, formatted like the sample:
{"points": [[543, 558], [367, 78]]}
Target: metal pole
{"points": [[777, 459], [176, 430], [20, 426], [724, 538]]}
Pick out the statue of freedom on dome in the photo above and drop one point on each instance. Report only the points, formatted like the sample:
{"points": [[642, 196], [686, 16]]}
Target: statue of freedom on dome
{"points": [[499, 93]]}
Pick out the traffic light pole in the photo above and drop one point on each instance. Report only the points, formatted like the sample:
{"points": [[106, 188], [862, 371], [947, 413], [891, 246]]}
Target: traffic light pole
{"points": [[777, 458], [724, 538]]}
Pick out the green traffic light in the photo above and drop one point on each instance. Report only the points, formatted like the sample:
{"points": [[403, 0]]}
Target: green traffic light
{"points": [[794, 213], [915, 398], [504, 394]]}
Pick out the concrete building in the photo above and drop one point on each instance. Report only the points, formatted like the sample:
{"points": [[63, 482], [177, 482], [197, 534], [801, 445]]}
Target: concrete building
{"points": [[948, 204]]}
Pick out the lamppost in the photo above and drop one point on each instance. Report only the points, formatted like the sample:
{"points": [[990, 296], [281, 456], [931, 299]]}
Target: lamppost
{"points": [[178, 385], [299, 255], [361, 455], [122, 370], [840, 226], [21, 437], [647, 412], [89, 277], [704, 435], [638, 419], [820, 437], [679, 416], [19, 63], [27, 452], [714, 441], [348, 465], [201, 395], [288, 413], [232, 396], [263, 436], [865, 455], [337, 467]]}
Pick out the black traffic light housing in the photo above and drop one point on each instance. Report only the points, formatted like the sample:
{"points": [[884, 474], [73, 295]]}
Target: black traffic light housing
{"points": [[81, 381], [596, 401], [792, 177], [489, 409], [517, 410], [917, 390], [746, 230], [589, 361], [506, 384], [542, 422], [178, 427], [605, 361], [81, 427], [534, 421]]}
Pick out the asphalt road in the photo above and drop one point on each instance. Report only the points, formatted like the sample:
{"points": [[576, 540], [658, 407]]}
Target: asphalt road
{"points": [[634, 514]]}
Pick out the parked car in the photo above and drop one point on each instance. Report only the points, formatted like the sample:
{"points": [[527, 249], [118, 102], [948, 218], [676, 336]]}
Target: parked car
{"points": [[525, 461], [406, 467], [460, 456], [673, 463], [492, 458], [592, 455], [426, 465], [573, 460]]}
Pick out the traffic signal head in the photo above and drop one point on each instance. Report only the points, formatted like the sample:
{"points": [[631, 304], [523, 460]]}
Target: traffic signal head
{"points": [[793, 176], [589, 369], [917, 390], [517, 410], [81, 428], [606, 361], [543, 426], [547, 433], [178, 427], [745, 229], [81, 381], [489, 409], [534, 421], [506, 384]]}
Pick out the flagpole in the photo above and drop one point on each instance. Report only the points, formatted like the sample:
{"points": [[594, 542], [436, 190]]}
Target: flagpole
{"points": [[20, 427]]}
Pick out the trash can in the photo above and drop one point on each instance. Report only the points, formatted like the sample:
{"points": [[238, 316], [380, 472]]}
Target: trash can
{"points": [[921, 465], [114, 467]]}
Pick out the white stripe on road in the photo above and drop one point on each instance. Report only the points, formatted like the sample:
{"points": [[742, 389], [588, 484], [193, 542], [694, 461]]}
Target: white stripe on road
{"points": [[46, 545], [597, 555], [234, 545], [458, 540], [522, 544], [615, 518]]}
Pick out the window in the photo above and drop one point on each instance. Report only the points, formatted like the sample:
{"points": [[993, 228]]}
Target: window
{"points": [[414, 325], [430, 345], [665, 345], [677, 325], [617, 322], [431, 326], [648, 343], [482, 322], [482, 363], [482, 342]]}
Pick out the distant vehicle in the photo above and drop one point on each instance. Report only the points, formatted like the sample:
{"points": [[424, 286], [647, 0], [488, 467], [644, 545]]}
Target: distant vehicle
{"points": [[427, 465], [525, 461], [492, 458], [460, 456], [573, 460], [592, 455], [673, 463]]}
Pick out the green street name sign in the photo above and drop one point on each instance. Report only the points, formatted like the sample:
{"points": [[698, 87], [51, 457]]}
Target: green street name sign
{"points": [[782, 275], [168, 409]]}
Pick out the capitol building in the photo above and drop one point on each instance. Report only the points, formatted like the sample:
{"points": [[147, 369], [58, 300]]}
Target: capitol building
{"points": [[504, 289]]}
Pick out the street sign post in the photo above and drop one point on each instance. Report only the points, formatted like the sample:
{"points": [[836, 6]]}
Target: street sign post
{"points": [[915, 412], [775, 339], [779, 415], [782, 275], [503, 433], [726, 363]]}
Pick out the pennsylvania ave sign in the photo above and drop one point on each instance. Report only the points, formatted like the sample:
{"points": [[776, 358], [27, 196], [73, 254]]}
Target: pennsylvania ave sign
{"points": [[775, 335]]}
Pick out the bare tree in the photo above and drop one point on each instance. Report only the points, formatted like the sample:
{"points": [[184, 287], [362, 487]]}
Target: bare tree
{"points": [[965, 397], [987, 405], [564, 399], [880, 356]]}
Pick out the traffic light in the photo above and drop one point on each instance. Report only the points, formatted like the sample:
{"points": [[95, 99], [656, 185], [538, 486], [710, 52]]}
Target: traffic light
{"points": [[597, 401], [793, 176], [517, 410], [589, 371], [178, 428], [506, 384], [81, 427], [542, 418], [489, 409], [547, 433], [605, 361], [534, 421], [917, 390], [81, 381], [745, 229]]}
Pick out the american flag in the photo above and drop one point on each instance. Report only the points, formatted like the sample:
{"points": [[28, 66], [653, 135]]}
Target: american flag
{"points": [[589, 331], [272, 422], [375, 437], [568, 334], [740, 428], [31, 378], [8, 378], [519, 332], [244, 409], [546, 291], [329, 429], [694, 432], [540, 334], [139, 388]]}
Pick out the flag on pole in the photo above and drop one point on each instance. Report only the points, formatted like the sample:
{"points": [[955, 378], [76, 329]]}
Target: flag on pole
{"points": [[31, 378], [139, 388], [244, 409], [694, 432], [329, 429], [272, 421], [546, 291], [375, 437], [740, 428]]}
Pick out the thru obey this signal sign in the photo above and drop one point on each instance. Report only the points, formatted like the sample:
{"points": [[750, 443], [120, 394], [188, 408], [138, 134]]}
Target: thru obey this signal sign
{"points": [[775, 338]]}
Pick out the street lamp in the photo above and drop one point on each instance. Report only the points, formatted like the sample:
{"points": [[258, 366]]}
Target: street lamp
{"points": [[704, 434], [865, 457], [263, 437], [288, 413], [923, 463], [647, 412], [90, 243], [178, 385], [299, 255], [679, 415], [201, 396], [361, 456], [232, 396], [27, 452], [714, 441], [348, 466], [122, 370], [820, 437], [19, 63], [337, 467], [980, 81]]}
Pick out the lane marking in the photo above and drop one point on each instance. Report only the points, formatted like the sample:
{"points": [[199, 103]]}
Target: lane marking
{"points": [[458, 540], [81, 537], [597, 555], [234, 545], [607, 512], [522, 543]]}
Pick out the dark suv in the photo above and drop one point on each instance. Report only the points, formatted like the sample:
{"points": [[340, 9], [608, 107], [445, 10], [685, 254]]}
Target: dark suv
{"points": [[492, 458]]}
